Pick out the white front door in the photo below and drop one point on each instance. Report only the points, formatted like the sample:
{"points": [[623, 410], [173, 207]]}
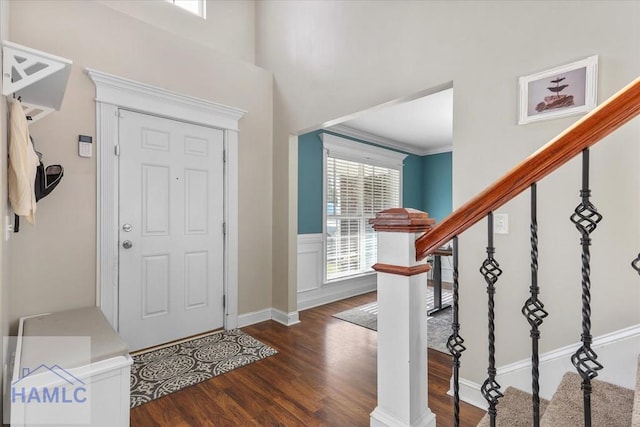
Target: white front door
{"points": [[171, 229]]}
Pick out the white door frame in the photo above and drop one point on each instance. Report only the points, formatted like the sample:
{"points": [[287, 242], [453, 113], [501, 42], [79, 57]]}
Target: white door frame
{"points": [[113, 93]]}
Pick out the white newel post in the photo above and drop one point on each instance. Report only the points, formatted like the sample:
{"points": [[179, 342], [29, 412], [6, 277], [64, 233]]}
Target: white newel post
{"points": [[402, 321]]}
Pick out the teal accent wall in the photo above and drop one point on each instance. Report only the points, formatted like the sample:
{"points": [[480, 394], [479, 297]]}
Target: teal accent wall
{"points": [[411, 182], [437, 185], [310, 180], [310, 183]]}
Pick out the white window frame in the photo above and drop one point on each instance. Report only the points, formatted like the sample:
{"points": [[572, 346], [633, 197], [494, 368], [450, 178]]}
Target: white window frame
{"points": [[347, 149]]}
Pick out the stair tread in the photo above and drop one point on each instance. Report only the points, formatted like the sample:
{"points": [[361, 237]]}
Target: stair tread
{"points": [[611, 405], [514, 409]]}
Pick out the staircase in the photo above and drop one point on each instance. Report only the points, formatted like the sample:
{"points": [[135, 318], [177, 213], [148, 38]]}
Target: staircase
{"points": [[580, 399]]}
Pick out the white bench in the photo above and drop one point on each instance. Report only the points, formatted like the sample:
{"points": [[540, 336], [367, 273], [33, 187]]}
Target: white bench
{"points": [[70, 368]]}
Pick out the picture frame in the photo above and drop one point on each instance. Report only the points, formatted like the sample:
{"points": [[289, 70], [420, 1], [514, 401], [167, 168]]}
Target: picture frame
{"points": [[561, 91]]}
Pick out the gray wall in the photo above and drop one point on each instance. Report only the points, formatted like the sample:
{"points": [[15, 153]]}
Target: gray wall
{"points": [[331, 59], [54, 262]]}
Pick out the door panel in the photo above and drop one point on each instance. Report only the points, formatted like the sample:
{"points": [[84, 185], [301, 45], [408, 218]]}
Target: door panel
{"points": [[155, 200], [196, 273], [171, 193], [155, 285], [196, 205]]}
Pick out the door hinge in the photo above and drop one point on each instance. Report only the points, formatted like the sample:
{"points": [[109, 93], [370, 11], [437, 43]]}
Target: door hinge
{"points": [[224, 156], [224, 301], [116, 150], [224, 228]]}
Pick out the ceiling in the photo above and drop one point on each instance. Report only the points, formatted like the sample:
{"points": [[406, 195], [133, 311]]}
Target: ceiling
{"points": [[420, 126]]}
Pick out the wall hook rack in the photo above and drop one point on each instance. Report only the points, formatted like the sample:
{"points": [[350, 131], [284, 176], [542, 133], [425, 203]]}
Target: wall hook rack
{"points": [[38, 78]]}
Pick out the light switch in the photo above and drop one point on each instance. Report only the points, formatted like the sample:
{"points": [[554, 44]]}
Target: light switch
{"points": [[501, 223]]}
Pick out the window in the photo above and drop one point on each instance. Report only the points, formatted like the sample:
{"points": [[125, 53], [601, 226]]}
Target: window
{"points": [[194, 6], [360, 180]]}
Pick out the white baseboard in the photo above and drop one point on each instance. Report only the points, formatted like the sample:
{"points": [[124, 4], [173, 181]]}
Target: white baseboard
{"points": [[286, 319], [381, 418], [618, 351], [337, 291], [470, 393], [276, 315], [247, 319]]}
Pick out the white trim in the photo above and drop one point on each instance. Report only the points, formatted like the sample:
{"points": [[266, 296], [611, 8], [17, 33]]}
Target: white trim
{"points": [[254, 317], [381, 418], [361, 152], [286, 319], [323, 240], [143, 97], [618, 351], [231, 237], [309, 262], [114, 92], [309, 239], [471, 394], [388, 142], [376, 139], [337, 290], [438, 150], [276, 315]]}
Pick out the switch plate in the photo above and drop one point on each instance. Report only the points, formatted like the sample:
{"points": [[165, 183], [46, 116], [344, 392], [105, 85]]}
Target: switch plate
{"points": [[501, 223]]}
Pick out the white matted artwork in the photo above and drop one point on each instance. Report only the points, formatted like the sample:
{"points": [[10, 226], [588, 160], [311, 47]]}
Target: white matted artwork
{"points": [[559, 92]]}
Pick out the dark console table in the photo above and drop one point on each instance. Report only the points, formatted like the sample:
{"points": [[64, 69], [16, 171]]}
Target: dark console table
{"points": [[437, 281]]}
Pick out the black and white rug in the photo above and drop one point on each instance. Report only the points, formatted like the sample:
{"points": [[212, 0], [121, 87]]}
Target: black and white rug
{"points": [[166, 370], [438, 324]]}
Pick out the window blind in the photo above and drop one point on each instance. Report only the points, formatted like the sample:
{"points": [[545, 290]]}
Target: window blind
{"points": [[355, 192]]}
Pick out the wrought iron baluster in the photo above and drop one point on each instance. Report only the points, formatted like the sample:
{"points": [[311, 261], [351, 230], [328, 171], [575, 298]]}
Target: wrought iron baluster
{"points": [[455, 341], [491, 271], [534, 311], [636, 264], [586, 219]]}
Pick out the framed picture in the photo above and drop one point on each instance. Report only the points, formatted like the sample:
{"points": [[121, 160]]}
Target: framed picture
{"points": [[559, 92]]}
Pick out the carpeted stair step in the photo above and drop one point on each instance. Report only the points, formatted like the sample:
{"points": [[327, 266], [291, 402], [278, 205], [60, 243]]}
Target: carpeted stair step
{"points": [[514, 409], [635, 418], [611, 405]]}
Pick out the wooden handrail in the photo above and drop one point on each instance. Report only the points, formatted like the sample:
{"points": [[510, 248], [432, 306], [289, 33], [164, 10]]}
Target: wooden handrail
{"points": [[609, 116]]}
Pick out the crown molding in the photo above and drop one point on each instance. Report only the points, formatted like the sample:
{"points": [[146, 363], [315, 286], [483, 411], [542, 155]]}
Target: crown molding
{"points": [[388, 142], [357, 151], [130, 94]]}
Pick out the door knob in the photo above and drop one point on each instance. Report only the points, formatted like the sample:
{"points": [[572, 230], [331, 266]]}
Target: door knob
{"points": [[127, 227], [127, 244]]}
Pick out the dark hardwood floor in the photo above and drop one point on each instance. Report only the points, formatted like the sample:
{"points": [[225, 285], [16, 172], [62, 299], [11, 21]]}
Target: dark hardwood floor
{"points": [[323, 375]]}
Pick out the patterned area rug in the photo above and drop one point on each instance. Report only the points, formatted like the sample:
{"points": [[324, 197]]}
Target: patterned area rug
{"points": [[438, 325], [166, 370]]}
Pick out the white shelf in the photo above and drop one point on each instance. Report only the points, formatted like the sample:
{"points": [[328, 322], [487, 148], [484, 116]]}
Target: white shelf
{"points": [[38, 78]]}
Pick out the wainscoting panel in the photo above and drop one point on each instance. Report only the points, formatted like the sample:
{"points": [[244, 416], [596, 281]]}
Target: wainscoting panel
{"points": [[309, 262], [312, 291]]}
